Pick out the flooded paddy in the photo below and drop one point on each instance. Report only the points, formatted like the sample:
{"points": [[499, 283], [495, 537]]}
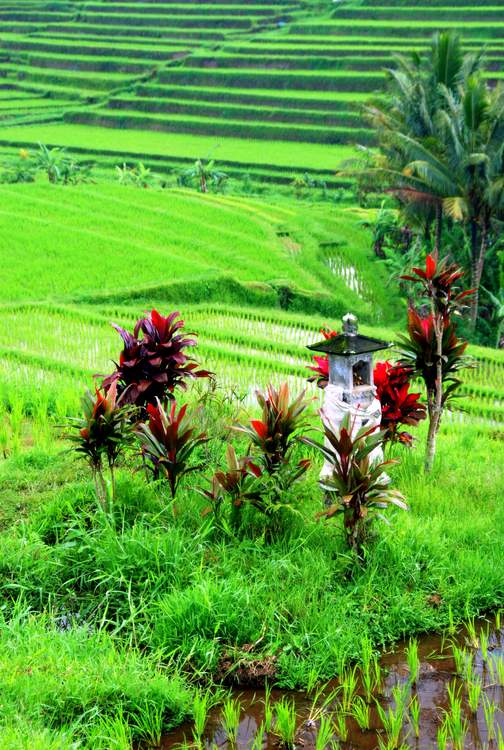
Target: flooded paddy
{"points": [[437, 692]]}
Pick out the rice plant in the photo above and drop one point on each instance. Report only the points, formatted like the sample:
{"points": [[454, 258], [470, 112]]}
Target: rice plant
{"points": [[414, 712], [325, 735], [361, 713], [456, 723], [231, 710], [202, 704], [484, 638], [489, 709], [285, 722], [392, 718], [413, 660], [348, 688], [474, 688], [268, 708], [149, 723], [258, 741]]}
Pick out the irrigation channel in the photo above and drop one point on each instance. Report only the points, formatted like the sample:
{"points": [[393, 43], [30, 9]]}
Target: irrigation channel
{"points": [[458, 693]]}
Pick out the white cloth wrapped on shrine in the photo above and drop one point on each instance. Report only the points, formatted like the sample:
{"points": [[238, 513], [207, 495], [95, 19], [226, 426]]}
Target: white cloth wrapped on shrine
{"points": [[365, 413]]}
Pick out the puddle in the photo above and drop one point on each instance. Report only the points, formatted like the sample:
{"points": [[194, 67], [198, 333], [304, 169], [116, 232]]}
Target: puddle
{"points": [[453, 664]]}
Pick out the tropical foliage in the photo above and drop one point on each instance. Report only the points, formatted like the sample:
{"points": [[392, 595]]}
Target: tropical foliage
{"points": [[153, 362], [432, 348], [358, 487], [441, 151], [103, 432], [168, 442]]}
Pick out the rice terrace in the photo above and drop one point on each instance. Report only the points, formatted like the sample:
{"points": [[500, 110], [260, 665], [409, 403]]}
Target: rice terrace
{"points": [[251, 375]]}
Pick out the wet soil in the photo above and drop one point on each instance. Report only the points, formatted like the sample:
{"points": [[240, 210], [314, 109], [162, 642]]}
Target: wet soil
{"points": [[437, 672]]}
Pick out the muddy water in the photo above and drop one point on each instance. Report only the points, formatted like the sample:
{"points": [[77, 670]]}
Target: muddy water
{"points": [[437, 672]]}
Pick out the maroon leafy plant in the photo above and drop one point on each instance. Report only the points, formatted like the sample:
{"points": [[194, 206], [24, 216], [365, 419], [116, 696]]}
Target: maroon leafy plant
{"points": [[103, 433], [168, 442], [398, 405], [432, 347], [358, 487], [154, 362]]}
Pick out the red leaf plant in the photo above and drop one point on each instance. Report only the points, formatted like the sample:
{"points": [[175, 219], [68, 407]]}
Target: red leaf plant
{"points": [[358, 487], [432, 347], [153, 362], [275, 434], [168, 441], [321, 367], [238, 483], [103, 432], [398, 405]]}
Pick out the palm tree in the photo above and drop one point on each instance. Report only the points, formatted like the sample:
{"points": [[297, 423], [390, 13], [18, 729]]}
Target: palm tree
{"points": [[441, 137]]}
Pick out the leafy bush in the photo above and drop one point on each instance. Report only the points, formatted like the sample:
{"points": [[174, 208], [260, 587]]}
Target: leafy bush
{"points": [[274, 435], [60, 168], [153, 362], [19, 169], [168, 442], [103, 432], [432, 348], [398, 405], [358, 486], [139, 176]]}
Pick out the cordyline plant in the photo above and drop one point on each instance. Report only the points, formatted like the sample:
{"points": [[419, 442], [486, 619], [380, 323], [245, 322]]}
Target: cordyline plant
{"points": [[153, 362], [238, 483], [271, 441], [274, 435], [103, 432], [358, 487], [432, 348], [168, 442], [321, 366], [398, 406]]}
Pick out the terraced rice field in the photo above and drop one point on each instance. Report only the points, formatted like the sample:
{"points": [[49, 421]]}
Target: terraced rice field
{"points": [[221, 263], [205, 75]]}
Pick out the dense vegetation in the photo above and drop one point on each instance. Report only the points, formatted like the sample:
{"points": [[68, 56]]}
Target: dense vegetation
{"points": [[163, 531]]}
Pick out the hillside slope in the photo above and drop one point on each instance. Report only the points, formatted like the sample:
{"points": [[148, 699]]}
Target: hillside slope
{"points": [[274, 71]]}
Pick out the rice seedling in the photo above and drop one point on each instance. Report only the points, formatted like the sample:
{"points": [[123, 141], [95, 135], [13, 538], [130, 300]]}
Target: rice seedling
{"points": [[340, 725], [414, 712], [202, 703], [471, 633], [366, 668], [361, 713], [348, 688], [498, 619], [442, 735], [500, 739], [474, 688], [413, 660], [392, 718], [258, 741], [231, 710], [325, 735], [489, 709], [499, 669], [456, 723], [484, 637], [268, 708], [111, 733], [285, 722], [461, 657]]}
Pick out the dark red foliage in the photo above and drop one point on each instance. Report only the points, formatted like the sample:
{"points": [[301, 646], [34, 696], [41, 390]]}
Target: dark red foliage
{"points": [[153, 361], [398, 405], [168, 442], [321, 367], [439, 280], [419, 350]]}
